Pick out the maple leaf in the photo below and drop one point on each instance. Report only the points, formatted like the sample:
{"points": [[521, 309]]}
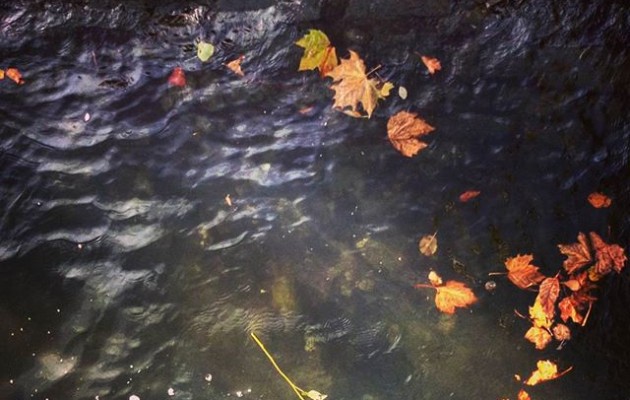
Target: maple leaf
{"points": [[428, 244], [561, 332], [547, 295], [235, 66], [432, 64], [578, 254], [599, 200], [538, 316], [545, 370], [318, 53], [608, 256], [15, 75], [177, 77], [403, 130], [521, 272], [468, 195], [539, 336], [352, 86], [449, 296]]}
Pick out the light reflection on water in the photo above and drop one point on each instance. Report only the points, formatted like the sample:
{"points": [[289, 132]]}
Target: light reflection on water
{"points": [[127, 273]]}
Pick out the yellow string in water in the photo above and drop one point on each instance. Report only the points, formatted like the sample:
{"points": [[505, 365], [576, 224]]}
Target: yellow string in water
{"points": [[300, 393]]}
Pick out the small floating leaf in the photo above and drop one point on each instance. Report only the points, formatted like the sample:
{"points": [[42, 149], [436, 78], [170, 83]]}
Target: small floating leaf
{"points": [[428, 245], [235, 66], [599, 200], [204, 51], [177, 77], [432, 64]]}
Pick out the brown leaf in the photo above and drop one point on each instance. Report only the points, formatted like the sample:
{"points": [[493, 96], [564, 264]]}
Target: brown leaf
{"points": [[608, 256], [428, 245], [572, 284], [403, 131], [14, 75], [599, 200], [453, 294], [235, 66], [561, 332], [578, 254], [569, 309], [548, 294], [546, 370], [539, 336], [432, 64], [468, 195], [523, 395], [352, 86], [521, 272]]}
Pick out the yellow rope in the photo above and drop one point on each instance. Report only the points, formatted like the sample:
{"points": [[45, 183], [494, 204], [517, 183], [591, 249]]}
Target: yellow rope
{"points": [[295, 388]]}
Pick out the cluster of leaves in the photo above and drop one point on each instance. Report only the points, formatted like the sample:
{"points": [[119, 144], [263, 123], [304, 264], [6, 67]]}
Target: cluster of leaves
{"points": [[570, 291], [13, 74]]}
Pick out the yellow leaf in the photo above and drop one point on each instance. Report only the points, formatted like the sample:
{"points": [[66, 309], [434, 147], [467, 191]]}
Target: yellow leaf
{"points": [[435, 279], [546, 370], [428, 245], [318, 53], [352, 86], [539, 336], [1, 74]]}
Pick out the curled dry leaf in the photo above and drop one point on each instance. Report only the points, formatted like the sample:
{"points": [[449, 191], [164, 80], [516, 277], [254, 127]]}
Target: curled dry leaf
{"points": [[468, 195], [578, 254], [428, 245], [599, 200], [235, 66], [521, 272], [403, 130], [546, 370], [539, 336], [432, 64]]}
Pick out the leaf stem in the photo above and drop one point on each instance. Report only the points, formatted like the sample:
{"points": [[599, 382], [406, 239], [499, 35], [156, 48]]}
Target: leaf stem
{"points": [[373, 70], [496, 273], [424, 285]]}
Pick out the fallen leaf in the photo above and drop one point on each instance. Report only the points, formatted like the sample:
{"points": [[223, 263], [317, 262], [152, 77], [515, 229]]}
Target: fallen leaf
{"points": [[561, 332], [548, 294], [14, 75], [599, 200], [608, 256], [435, 279], [539, 317], [352, 86], [546, 370], [523, 395], [403, 130], [318, 53], [315, 395], [204, 51], [228, 200], [521, 272], [235, 66], [432, 64], [569, 310], [572, 284], [428, 245], [453, 294], [578, 254], [539, 336], [306, 110], [177, 77], [468, 195], [1, 74]]}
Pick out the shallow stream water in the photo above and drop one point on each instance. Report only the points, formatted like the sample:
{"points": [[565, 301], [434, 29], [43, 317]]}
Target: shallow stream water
{"points": [[125, 270]]}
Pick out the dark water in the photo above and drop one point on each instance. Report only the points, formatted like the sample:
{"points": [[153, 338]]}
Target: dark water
{"points": [[124, 272]]}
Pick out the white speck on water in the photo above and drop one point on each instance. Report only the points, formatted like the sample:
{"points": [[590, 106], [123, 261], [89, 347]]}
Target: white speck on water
{"points": [[208, 378], [402, 92], [239, 393], [86, 117], [11, 381], [171, 392], [134, 397], [58, 310]]}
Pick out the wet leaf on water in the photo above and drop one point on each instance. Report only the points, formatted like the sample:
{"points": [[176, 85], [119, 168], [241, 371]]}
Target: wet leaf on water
{"points": [[578, 254], [435, 279], [177, 77], [204, 51], [521, 272], [561, 332], [428, 244], [539, 336], [353, 87], [235, 66], [607, 256], [468, 195], [546, 370], [1, 74], [15, 75], [599, 200], [568, 307], [432, 64], [403, 130], [547, 295], [523, 395], [315, 395], [449, 296], [318, 52]]}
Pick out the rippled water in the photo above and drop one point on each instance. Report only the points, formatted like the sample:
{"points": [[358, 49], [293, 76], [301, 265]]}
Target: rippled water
{"points": [[126, 272]]}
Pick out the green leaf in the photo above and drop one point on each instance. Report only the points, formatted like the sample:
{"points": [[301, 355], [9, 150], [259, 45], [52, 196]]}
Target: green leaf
{"points": [[205, 51], [315, 44]]}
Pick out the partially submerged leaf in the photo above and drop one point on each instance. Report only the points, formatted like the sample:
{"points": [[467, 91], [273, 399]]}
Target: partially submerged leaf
{"points": [[204, 51], [432, 64], [521, 272], [539, 336], [468, 195], [453, 294], [318, 53], [353, 87], [177, 77], [428, 245], [403, 131], [578, 254], [235, 66], [599, 200], [546, 370]]}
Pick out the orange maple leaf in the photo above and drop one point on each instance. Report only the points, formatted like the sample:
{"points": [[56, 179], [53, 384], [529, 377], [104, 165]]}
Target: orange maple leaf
{"points": [[578, 254], [539, 336], [450, 295], [521, 272], [569, 309], [546, 370], [352, 86], [432, 64], [403, 130], [599, 200], [468, 195], [608, 256], [235, 66], [547, 296]]}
